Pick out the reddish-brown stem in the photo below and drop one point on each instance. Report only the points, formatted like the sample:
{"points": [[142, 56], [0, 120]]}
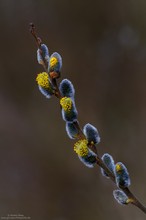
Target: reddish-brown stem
{"points": [[45, 64], [38, 42], [126, 190]]}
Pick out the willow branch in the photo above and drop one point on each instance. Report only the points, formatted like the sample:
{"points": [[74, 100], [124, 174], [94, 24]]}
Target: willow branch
{"points": [[99, 162]]}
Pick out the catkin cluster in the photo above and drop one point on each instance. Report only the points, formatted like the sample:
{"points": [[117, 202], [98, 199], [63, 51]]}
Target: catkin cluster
{"points": [[86, 138]]}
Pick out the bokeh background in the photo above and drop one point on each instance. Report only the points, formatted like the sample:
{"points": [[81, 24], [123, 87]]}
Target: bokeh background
{"points": [[103, 46]]}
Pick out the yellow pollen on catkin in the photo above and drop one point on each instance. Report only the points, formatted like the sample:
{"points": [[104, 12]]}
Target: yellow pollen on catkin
{"points": [[66, 103], [118, 167], [43, 80], [129, 200], [81, 148], [53, 61]]}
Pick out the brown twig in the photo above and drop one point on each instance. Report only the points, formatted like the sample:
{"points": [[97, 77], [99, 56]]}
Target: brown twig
{"points": [[80, 136], [45, 64]]}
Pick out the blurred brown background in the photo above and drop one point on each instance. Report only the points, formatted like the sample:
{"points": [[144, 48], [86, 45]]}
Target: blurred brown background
{"points": [[103, 46]]}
